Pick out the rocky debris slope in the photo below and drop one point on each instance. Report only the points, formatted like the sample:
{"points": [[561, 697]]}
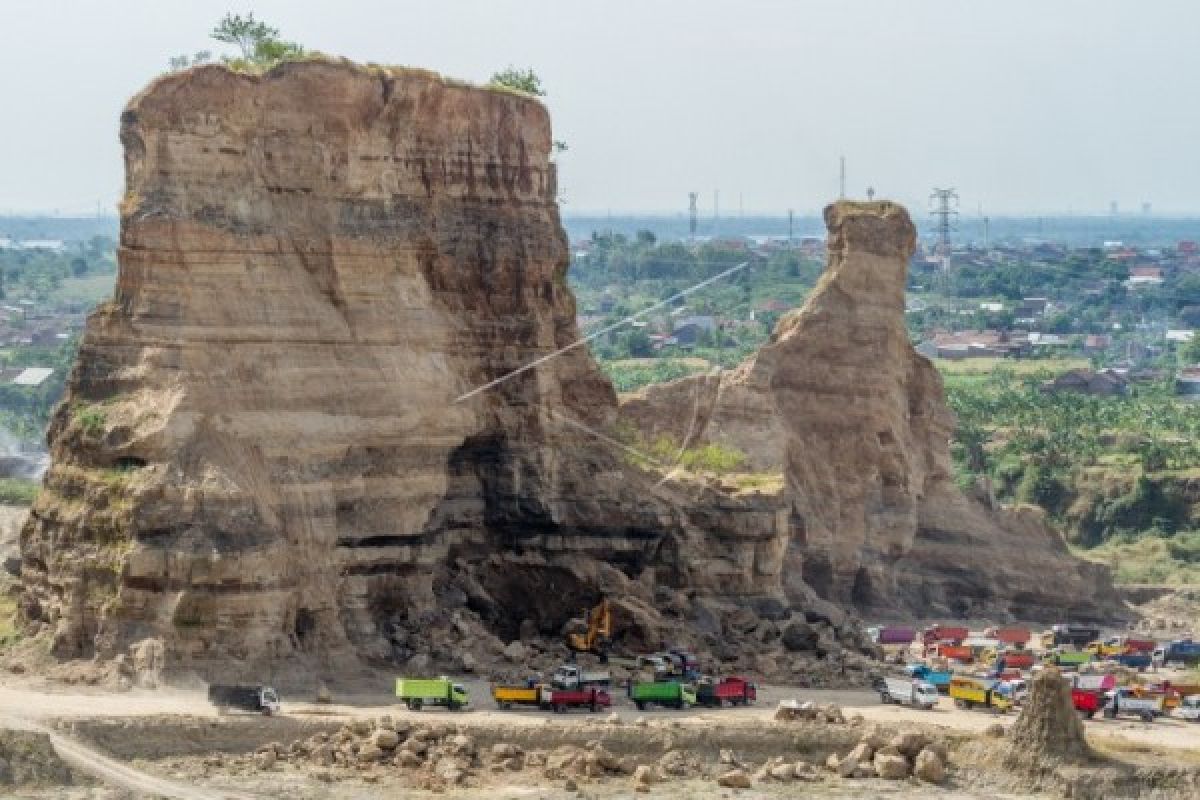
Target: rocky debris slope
{"points": [[269, 450], [842, 406], [28, 759]]}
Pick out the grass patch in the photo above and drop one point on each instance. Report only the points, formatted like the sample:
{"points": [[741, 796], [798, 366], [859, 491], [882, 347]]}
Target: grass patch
{"points": [[17, 491], [1024, 366], [1149, 559], [10, 634], [757, 481], [91, 419]]}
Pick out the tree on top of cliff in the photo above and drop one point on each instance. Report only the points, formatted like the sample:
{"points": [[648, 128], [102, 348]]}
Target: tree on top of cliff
{"points": [[259, 42], [523, 80]]}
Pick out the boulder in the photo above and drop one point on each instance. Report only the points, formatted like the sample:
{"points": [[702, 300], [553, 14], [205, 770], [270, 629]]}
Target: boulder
{"points": [[385, 739], [734, 779], [407, 759], [515, 651], [891, 767], [929, 767], [909, 743], [799, 636]]}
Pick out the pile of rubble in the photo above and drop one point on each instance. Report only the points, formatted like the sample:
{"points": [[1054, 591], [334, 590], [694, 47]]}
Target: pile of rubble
{"points": [[808, 711], [896, 758]]}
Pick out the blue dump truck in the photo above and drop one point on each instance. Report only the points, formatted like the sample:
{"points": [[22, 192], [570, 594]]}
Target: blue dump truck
{"points": [[1182, 651], [940, 678]]}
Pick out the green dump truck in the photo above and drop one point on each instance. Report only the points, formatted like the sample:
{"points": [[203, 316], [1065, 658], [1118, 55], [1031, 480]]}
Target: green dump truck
{"points": [[419, 692], [670, 694]]}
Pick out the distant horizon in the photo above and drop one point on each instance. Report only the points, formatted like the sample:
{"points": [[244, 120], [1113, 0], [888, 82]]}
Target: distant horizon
{"points": [[1028, 108]]}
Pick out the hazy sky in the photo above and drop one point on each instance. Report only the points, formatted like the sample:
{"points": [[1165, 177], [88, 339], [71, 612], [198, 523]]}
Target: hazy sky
{"points": [[1024, 105]]}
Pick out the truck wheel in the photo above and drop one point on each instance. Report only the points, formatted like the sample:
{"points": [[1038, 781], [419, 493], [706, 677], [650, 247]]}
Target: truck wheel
{"points": [[560, 708], [1147, 716], [415, 704], [1091, 713], [1110, 713], [593, 708], [960, 703], [640, 705]]}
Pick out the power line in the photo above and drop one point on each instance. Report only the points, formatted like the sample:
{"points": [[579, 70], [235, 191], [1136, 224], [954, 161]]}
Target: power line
{"points": [[607, 329]]}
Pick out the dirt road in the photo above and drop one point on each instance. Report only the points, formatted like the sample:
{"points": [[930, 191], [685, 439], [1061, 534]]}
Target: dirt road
{"points": [[86, 759], [44, 705]]}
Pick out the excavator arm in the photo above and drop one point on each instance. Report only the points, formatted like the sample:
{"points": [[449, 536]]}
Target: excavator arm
{"points": [[599, 631]]}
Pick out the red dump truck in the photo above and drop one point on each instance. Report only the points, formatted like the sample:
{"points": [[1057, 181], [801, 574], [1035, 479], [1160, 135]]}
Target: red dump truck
{"points": [[1087, 701], [944, 633], [1010, 635], [559, 700], [1017, 659], [952, 652], [729, 692]]}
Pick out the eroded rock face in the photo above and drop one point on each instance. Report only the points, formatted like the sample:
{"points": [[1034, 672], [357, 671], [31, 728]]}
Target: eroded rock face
{"points": [[263, 452], [841, 404]]}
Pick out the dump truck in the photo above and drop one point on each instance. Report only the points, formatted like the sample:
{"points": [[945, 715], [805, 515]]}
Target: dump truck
{"points": [[416, 693], [1189, 708], [670, 694], [895, 635], [562, 700], [1008, 658], [1094, 683], [1122, 702], [1072, 635], [1183, 651], [731, 691], [682, 664], [908, 692], [935, 634], [939, 678], [1087, 701], [260, 699], [1139, 661], [978, 693], [952, 652], [508, 696], [1010, 635], [1067, 658], [570, 676]]}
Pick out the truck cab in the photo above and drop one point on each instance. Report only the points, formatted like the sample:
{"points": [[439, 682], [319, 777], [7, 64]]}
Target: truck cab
{"points": [[1189, 708]]}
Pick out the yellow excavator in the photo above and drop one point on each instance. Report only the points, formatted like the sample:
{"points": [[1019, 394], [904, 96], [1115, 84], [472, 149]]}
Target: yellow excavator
{"points": [[599, 633]]}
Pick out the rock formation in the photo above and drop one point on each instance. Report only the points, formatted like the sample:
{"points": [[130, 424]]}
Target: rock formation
{"points": [[841, 405], [1049, 728], [263, 451], [272, 446]]}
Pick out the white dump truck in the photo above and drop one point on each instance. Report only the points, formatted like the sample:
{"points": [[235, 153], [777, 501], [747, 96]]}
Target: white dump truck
{"points": [[1189, 708], [1122, 702], [908, 692], [570, 676]]}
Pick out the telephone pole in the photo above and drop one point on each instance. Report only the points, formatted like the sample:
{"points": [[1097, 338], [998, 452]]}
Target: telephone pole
{"points": [[944, 213], [791, 225], [692, 212], [842, 178]]}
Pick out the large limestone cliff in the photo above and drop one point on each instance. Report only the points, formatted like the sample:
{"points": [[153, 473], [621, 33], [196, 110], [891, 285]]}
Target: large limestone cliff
{"points": [[841, 404], [263, 452], [272, 449]]}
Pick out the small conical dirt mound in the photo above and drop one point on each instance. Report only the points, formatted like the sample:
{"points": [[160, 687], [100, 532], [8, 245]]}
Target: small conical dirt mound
{"points": [[1049, 727]]}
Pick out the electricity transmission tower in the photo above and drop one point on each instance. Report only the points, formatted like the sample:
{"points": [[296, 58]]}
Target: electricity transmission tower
{"points": [[944, 212], [692, 212]]}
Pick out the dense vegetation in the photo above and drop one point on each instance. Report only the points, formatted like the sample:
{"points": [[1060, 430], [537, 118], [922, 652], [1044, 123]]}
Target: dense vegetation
{"points": [[1111, 471], [40, 274]]}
